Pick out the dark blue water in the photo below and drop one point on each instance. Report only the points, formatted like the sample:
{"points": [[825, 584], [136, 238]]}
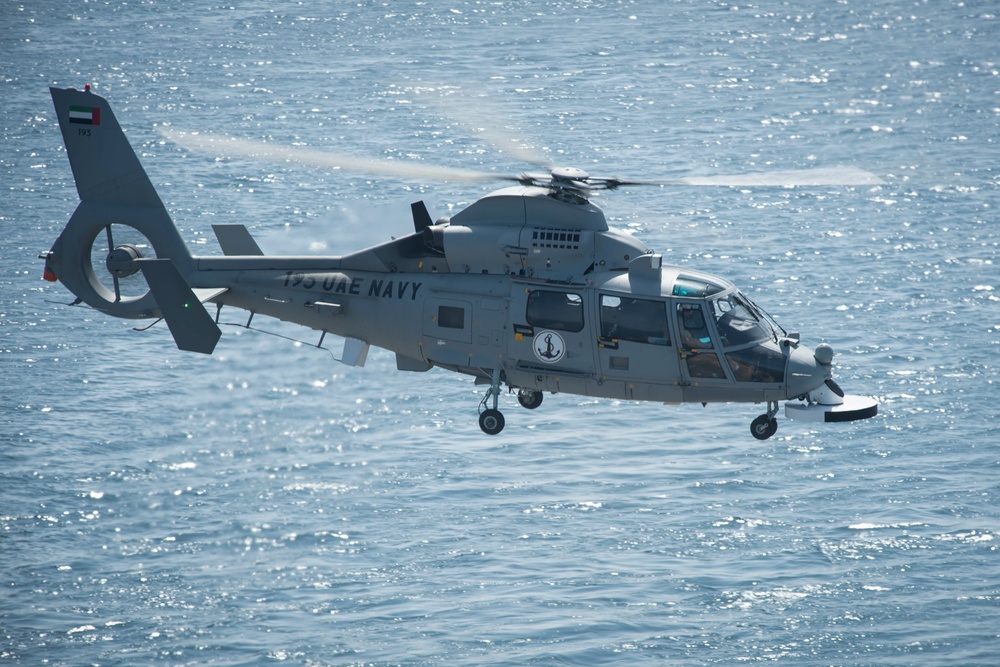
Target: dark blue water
{"points": [[268, 505]]}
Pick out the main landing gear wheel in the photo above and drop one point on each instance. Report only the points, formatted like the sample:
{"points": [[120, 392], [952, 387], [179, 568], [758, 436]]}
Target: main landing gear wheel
{"points": [[764, 427], [529, 398], [491, 421]]}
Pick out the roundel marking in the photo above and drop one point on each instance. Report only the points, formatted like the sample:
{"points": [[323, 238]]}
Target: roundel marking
{"points": [[549, 346]]}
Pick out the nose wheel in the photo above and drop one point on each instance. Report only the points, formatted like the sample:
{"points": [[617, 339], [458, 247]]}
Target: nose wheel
{"points": [[764, 426]]}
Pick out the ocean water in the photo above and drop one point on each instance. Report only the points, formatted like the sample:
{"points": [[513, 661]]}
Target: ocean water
{"points": [[267, 505]]}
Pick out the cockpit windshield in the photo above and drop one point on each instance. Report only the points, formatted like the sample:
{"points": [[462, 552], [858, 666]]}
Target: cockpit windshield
{"points": [[740, 322]]}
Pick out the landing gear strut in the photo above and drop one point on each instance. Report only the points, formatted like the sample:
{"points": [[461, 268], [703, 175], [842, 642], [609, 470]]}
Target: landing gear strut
{"points": [[764, 426], [490, 418]]}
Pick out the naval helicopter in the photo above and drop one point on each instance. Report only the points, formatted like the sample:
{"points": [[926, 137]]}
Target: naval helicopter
{"points": [[527, 289]]}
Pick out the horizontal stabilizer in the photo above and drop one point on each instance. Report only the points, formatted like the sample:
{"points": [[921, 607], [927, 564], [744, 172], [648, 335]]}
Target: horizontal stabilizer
{"points": [[206, 294], [192, 327], [236, 240]]}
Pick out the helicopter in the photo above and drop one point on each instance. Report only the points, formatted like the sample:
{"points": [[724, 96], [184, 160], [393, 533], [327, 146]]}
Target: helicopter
{"points": [[527, 288]]}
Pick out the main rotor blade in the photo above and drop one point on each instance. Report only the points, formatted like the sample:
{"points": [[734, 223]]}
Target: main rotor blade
{"points": [[513, 148], [789, 178], [478, 114], [218, 145]]}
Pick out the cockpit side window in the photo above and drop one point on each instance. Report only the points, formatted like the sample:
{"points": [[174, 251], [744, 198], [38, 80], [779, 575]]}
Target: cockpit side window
{"points": [[555, 310], [694, 328], [737, 321], [639, 320], [696, 347]]}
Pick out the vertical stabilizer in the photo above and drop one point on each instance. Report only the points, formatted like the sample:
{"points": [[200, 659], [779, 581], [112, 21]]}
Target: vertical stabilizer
{"points": [[106, 169]]}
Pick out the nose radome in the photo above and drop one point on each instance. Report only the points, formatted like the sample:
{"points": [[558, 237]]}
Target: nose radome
{"points": [[824, 354], [808, 369]]}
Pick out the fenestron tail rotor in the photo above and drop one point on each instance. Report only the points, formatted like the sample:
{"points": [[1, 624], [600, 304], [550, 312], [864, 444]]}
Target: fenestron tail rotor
{"points": [[118, 261]]}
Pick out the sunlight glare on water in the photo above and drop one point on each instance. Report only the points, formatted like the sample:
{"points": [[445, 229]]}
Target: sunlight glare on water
{"points": [[267, 504]]}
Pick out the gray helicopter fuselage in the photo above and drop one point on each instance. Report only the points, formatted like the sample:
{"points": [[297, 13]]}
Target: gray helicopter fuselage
{"points": [[491, 323]]}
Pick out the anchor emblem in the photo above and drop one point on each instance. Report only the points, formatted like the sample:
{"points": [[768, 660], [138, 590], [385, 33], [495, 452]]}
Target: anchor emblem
{"points": [[549, 346]]}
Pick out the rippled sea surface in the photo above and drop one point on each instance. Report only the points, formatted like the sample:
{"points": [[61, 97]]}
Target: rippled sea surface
{"points": [[267, 505]]}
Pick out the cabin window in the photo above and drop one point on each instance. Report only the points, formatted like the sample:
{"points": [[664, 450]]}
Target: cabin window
{"points": [[555, 310], [450, 317], [639, 320]]}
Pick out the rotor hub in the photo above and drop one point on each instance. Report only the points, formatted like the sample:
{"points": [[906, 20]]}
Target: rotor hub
{"points": [[121, 261], [569, 174]]}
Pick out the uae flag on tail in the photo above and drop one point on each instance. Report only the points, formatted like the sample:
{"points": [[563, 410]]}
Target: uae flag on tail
{"points": [[85, 115]]}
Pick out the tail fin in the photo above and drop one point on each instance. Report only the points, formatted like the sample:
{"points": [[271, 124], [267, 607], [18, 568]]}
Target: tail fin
{"points": [[115, 193], [106, 169]]}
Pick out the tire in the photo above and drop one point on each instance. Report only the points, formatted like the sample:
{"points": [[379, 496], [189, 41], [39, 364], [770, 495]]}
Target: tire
{"points": [[763, 427], [529, 398], [491, 421]]}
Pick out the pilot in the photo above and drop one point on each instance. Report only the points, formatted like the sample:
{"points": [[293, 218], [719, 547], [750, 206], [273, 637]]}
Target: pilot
{"points": [[693, 328]]}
